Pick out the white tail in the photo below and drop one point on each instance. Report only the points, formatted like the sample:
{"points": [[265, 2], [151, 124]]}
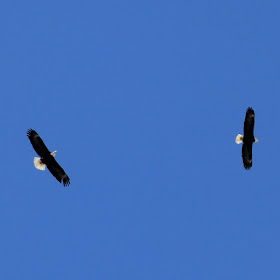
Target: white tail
{"points": [[53, 153], [38, 164], [239, 139]]}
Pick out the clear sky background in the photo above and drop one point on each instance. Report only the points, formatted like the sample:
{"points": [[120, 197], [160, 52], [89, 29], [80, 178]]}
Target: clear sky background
{"points": [[143, 101]]}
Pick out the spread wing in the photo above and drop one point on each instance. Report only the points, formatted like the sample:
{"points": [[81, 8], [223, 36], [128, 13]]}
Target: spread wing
{"points": [[57, 171], [249, 124], [37, 143], [247, 154]]}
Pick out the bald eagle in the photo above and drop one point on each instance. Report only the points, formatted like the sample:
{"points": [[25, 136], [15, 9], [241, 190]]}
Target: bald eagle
{"points": [[248, 139], [46, 158]]}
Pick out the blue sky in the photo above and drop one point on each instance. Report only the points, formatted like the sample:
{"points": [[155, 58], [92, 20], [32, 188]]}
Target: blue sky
{"points": [[142, 100]]}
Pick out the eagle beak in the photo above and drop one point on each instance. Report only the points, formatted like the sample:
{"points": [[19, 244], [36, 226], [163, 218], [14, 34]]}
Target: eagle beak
{"points": [[257, 140]]}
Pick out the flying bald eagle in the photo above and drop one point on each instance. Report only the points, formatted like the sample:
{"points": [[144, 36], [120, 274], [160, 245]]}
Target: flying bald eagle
{"points": [[248, 139], [46, 158]]}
